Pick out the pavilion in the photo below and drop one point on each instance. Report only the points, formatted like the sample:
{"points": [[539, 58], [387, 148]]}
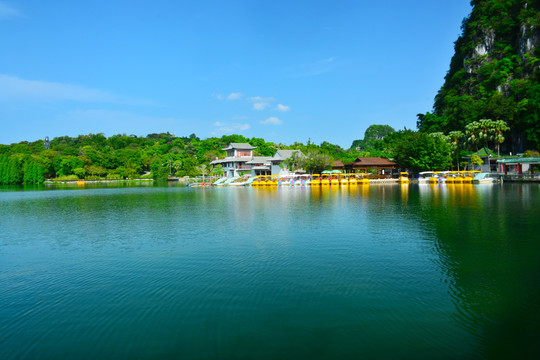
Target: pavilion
{"points": [[384, 167]]}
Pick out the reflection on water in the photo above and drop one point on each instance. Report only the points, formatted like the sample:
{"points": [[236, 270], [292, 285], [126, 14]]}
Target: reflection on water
{"points": [[425, 271]]}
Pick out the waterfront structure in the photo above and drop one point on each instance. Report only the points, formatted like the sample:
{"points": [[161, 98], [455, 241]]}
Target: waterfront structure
{"points": [[234, 163], [384, 166], [240, 160], [277, 165], [519, 165], [260, 165]]}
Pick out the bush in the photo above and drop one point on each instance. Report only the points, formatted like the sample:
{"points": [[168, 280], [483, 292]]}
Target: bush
{"points": [[67, 178], [114, 177]]}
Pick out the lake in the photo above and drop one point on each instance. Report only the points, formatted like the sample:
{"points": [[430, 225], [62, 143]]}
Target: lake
{"points": [[380, 271]]}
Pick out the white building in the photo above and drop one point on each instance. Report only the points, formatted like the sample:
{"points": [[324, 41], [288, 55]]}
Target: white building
{"points": [[238, 154]]}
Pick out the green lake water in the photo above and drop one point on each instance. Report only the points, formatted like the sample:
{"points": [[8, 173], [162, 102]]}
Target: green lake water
{"points": [[380, 271]]}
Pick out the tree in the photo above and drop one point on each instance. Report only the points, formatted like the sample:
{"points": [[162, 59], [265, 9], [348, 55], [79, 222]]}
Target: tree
{"points": [[315, 162], [499, 128], [456, 143], [420, 151]]}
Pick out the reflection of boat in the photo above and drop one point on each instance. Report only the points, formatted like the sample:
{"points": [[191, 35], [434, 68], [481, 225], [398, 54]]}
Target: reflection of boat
{"points": [[403, 178], [485, 178], [425, 177]]}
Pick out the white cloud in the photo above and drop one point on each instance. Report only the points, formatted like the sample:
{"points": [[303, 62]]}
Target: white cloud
{"points": [[14, 88], [260, 103], [234, 96], [283, 108], [232, 127], [272, 121], [260, 106], [8, 12], [219, 97]]}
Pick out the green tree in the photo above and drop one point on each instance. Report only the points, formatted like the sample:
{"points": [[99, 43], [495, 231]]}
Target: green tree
{"points": [[315, 162], [499, 128], [420, 151], [455, 139]]}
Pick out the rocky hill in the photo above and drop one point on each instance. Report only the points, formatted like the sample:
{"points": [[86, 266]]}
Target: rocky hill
{"points": [[494, 73]]}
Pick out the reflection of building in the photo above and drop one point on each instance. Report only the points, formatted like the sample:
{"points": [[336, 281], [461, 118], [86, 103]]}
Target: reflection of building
{"points": [[384, 167], [238, 154]]}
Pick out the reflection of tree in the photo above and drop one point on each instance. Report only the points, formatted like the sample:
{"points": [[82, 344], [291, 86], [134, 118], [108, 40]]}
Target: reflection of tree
{"points": [[486, 246]]}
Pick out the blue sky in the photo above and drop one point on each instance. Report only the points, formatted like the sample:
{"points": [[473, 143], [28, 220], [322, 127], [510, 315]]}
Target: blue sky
{"points": [[284, 71]]}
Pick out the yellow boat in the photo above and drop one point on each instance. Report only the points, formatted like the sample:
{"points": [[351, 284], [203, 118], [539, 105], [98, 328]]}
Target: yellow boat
{"points": [[469, 176], [343, 179], [459, 178], [363, 179], [403, 177], [334, 179], [325, 180], [353, 180], [451, 177], [315, 180]]}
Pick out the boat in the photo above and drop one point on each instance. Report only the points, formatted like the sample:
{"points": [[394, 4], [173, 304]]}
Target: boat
{"points": [[364, 180], [325, 181], [440, 177], [219, 181], [227, 181], [485, 178], [425, 177], [240, 182], [469, 176], [403, 177], [315, 180], [451, 177], [301, 180], [343, 179]]}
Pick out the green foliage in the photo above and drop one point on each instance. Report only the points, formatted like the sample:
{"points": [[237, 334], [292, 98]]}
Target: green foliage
{"points": [[501, 84], [314, 162], [476, 160], [420, 151], [373, 134]]}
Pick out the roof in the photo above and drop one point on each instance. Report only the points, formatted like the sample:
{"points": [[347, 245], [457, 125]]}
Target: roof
{"points": [[240, 146], [259, 160], [285, 154], [337, 164], [231, 159], [261, 167], [521, 160], [483, 152], [371, 161]]}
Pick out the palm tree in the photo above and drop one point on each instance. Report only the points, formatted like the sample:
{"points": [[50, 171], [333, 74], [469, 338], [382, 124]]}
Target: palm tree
{"points": [[455, 138], [471, 133], [499, 127], [485, 130]]}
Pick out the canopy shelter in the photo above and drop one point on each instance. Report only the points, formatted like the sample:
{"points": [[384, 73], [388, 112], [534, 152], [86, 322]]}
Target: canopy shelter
{"points": [[384, 166], [519, 165]]}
